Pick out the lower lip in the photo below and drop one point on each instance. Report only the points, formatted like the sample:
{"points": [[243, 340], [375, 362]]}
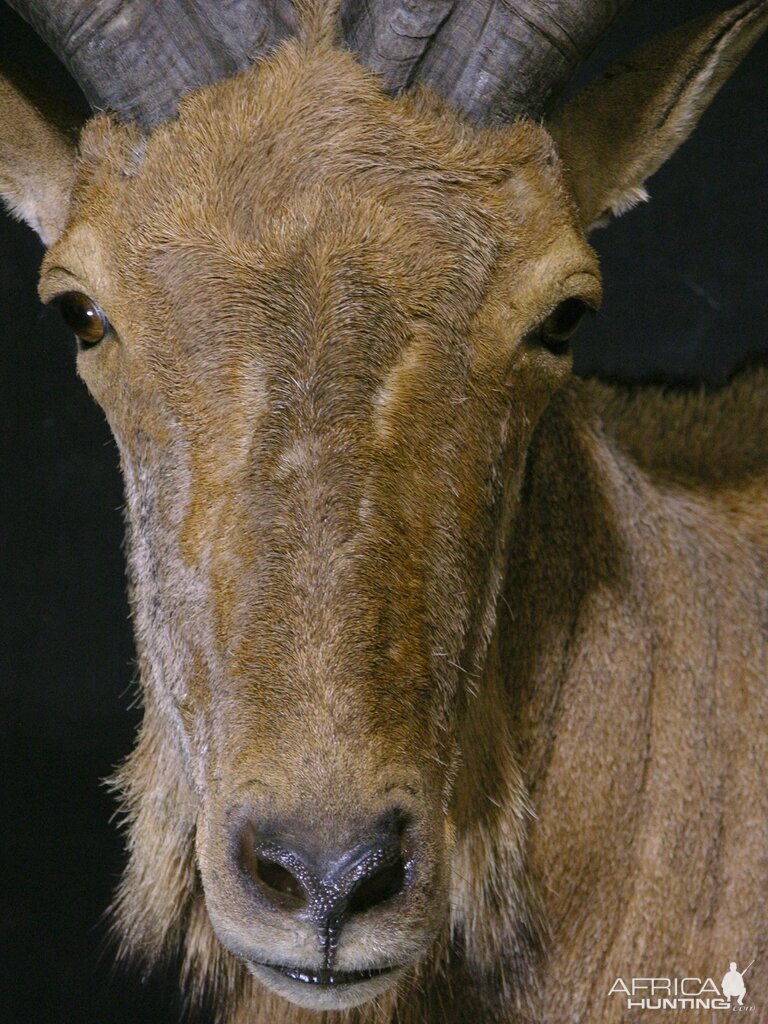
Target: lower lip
{"points": [[328, 979]]}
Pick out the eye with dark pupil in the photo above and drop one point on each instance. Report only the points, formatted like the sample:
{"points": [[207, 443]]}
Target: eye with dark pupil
{"points": [[84, 317], [561, 323]]}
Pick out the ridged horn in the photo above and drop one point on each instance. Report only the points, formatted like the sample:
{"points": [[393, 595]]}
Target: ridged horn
{"points": [[139, 57], [492, 59]]}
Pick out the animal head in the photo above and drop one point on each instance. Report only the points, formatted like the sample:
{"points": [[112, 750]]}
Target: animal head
{"points": [[324, 322]]}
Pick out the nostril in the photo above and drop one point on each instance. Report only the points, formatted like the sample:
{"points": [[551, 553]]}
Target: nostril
{"points": [[328, 882], [379, 886], [278, 878], [277, 872]]}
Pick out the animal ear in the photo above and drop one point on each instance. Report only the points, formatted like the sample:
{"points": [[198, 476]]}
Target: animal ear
{"points": [[37, 158], [618, 131]]}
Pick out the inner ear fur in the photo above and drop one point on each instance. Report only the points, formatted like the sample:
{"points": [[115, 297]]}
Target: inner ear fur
{"points": [[38, 140], [618, 131]]}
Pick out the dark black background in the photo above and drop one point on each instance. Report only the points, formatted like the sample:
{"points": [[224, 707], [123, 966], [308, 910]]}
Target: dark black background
{"points": [[685, 298]]}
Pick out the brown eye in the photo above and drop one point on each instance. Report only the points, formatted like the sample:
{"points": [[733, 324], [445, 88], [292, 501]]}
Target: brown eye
{"points": [[561, 323], [84, 317]]}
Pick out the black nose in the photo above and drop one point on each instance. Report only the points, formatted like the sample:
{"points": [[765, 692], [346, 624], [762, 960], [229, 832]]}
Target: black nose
{"points": [[317, 880]]}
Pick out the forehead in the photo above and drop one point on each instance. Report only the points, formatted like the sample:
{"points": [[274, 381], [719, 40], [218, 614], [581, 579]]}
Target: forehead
{"points": [[301, 177]]}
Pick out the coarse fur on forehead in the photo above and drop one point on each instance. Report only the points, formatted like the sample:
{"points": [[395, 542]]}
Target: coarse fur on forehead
{"points": [[306, 116], [247, 176]]}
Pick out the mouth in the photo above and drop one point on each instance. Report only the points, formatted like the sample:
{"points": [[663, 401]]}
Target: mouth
{"points": [[327, 979]]}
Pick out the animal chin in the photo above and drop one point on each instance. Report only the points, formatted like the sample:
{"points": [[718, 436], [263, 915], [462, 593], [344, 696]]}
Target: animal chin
{"points": [[325, 989]]}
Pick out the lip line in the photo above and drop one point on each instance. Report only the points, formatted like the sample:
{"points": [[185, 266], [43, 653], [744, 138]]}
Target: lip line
{"points": [[324, 978]]}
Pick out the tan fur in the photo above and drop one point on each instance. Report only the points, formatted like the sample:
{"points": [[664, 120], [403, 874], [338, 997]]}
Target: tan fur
{"points": [[610, 156], [381, 542], [36, 160]]}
